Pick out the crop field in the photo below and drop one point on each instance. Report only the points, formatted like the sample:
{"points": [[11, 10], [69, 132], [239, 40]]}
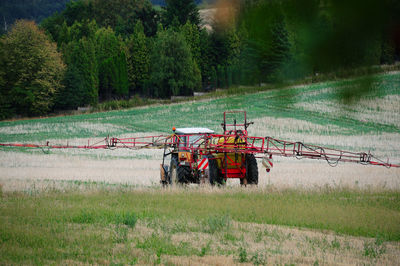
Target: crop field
{"points": [[309, 113], [107, 207]]}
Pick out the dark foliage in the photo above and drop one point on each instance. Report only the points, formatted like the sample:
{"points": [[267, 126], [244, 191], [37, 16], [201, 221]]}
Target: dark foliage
{"points": [[179, 12], [31, 71], [36, 10], [81, 81], [120, 15], [173, 70]]}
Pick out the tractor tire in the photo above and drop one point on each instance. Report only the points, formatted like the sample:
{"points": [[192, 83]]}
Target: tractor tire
{"points": [[214, 176], [251, 170], [177, 174]]}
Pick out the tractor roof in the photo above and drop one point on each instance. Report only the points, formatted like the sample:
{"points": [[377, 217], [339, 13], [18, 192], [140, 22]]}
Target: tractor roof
{"points": [[194, 130]]}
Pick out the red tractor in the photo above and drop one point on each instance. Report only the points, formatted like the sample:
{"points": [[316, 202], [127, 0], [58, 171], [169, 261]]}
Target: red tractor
{"points": [[197, 155]]}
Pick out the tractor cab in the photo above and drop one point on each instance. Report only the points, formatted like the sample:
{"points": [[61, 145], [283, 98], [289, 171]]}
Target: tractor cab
{"points": [[191, 137], [184, 156]]}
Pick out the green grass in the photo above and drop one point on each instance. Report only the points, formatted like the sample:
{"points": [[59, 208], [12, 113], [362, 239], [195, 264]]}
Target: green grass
{"points": [[216, 223], [374, 249], [160, 245], [59, 227]]}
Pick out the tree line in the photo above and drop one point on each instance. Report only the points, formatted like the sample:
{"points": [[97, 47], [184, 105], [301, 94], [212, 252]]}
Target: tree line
{"points": [[97, 50], [37, 10]]}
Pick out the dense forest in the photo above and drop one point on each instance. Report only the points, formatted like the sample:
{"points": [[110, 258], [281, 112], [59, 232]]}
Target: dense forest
{"points": [[37, 10], [97, 50]]}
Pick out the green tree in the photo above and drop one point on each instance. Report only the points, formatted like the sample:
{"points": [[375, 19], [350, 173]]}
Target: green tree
{"points": [[173, 71], [266, 47], [224, 48], [5, 102], [181, 12], [52, 25], [213, 78], [81, 78], [108, 44], [192, 37], [122, 15], [138, 59], [235, 69], [79, 10], [70, 97], [205, 62], [107, 78], [221, 74], [110, 53], [85, 29], [33, 69], [229, 78], [114, 78], [122, 83], [279, 51], [63, 36]]}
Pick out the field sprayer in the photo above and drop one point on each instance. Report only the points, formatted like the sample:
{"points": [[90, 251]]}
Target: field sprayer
{"points": [[199, 154]]}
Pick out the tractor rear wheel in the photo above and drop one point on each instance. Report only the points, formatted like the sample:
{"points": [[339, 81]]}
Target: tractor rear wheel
{"points": [[177, 174], [251, 170], [213, 173]]}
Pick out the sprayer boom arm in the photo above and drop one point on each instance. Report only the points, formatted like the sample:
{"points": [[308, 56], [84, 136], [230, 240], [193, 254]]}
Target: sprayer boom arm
{"points": [[236, 142]]}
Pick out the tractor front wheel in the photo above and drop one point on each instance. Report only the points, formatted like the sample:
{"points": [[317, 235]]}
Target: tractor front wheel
{"points": [[177, 173]]}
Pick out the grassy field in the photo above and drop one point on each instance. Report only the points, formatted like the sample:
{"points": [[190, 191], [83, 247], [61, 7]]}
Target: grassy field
{"points": [[313, 114], [316, 104], [106, 207], [125, 226]]}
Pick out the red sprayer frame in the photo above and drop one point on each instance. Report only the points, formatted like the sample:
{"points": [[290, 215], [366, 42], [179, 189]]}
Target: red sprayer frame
{"points": [[233, 140], [248, 145]]}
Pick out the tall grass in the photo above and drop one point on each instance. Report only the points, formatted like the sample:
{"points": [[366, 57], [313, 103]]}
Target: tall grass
{"points": [[69, 227]]}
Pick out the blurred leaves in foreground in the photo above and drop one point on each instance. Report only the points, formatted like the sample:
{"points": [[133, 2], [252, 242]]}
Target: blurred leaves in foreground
{"points": [[292, 39]]}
